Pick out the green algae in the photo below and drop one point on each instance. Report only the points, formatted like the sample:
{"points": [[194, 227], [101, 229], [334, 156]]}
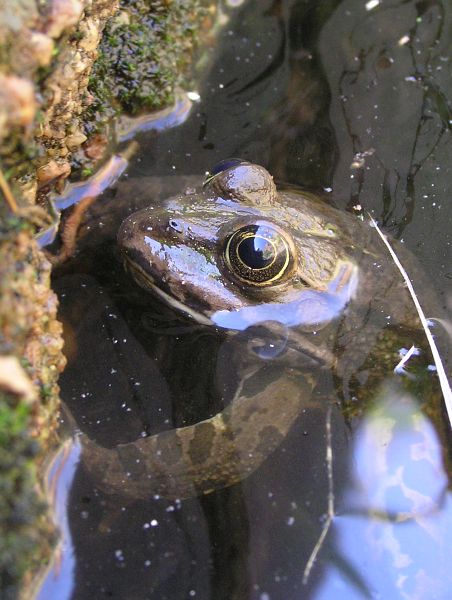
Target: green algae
{"points": [[138, 65], [20, 510], [30, 339], [143, 55]]}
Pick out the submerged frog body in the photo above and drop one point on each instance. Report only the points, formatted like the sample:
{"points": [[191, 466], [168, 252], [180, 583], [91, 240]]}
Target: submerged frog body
{"points": [[295, 276]]}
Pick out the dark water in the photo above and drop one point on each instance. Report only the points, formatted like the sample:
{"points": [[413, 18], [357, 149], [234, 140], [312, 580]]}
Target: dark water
{"points": [[305, 89]]}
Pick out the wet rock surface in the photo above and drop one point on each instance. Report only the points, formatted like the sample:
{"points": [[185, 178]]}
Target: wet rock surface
{"points": [[31, 360], [47, 53]]}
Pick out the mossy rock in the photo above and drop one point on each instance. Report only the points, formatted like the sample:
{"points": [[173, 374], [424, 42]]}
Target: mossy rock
{"points": [[144, 54]]}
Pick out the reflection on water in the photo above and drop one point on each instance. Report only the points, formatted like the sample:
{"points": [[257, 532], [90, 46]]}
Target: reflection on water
{"points": [[316, 309], [390, 76], [392, 534], [401, 446], [302, 87], [58, 581]]}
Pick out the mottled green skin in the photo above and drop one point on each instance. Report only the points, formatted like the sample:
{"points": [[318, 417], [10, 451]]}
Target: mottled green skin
{"points": [[333, 306]]}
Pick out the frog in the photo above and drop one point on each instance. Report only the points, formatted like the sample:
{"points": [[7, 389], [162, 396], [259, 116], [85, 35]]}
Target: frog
{"points": [[300, 288]]}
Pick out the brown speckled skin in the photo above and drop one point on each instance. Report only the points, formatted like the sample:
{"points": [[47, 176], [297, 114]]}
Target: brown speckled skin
{"points": [[215, 453], [177, 250]]}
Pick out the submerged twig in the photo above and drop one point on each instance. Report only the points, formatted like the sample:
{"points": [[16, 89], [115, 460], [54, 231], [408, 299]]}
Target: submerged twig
{"points": [[70, 231], [82, 194], [10, 200], [405, 357], [445, 387], [330, 507]]}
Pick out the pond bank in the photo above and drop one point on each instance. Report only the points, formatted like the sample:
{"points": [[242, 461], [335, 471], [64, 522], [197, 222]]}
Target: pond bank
{"points": [[53, 118]]}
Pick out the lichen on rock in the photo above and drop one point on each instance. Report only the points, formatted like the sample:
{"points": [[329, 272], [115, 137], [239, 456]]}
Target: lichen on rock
{"points": [[31, 359], [143, 54], [68, 66], [52, 110]]}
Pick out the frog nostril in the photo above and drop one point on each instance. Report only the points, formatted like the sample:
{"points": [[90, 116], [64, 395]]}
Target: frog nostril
{"points": [[175, 225]]}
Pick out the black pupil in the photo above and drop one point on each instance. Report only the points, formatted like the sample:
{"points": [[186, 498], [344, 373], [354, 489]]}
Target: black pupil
{"points": [[256, 252]]}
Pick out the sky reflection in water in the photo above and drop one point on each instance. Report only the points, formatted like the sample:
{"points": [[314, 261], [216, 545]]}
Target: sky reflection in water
{"points": [[392, 536]]}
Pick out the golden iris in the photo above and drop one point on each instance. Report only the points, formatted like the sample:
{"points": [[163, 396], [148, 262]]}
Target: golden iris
{"points": [[259, 254]]}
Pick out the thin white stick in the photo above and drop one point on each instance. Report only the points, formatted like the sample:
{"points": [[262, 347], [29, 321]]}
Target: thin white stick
{"points": [[447, 393], [400, 366], [330, 509]]}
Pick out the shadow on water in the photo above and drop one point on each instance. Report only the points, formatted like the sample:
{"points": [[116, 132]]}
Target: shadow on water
{"points": [[351, 99]]}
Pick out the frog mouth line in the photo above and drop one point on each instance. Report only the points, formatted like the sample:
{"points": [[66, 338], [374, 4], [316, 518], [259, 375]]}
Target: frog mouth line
{"points": [[148, 283]]}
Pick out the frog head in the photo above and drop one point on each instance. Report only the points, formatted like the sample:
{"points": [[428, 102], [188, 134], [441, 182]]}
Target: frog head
{"points": [[237, 252]]}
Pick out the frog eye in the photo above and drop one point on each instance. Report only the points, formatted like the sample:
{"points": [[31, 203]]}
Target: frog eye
{"points": [[221, 166], [259, 254]]}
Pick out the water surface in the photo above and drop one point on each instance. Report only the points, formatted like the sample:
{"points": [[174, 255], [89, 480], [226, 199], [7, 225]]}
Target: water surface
{"points": [[349, 98]]}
